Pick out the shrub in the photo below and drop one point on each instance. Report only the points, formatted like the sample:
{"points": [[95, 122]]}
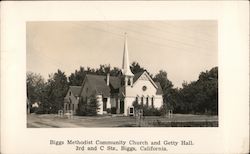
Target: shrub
{"points": [[87, 108], [92, 106], [82, 107], [148, 111], [108, 110], [113, 110]]}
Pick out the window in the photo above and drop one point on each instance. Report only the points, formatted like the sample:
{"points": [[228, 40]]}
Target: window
{"points": [[104, 100], [131, 110], [136, 99], [70, 93], [147, 101], [129, 82], [152, 102], [141, 101]]}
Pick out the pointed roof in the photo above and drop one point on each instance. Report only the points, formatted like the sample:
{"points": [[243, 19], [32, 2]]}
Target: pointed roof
{"points": [[156, 84], [75, 90], [98, 83], [125, 62]]}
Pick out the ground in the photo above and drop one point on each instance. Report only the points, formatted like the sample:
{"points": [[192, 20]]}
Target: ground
{"points": [[178, 120]]}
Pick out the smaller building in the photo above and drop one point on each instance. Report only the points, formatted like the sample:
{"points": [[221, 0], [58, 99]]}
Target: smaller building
{"points": [[71, 99]]}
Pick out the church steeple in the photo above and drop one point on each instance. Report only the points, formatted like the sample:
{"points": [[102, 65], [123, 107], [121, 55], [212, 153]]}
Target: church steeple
{"points": [[127, 74], [125, 62]]}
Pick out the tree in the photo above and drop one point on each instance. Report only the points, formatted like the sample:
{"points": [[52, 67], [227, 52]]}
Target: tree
{"points": [[56, 89], [88, 106], [200, 96], [76, 79], [82, 107], [35, 85], [92, 106], [167, 88], [136, 68]]}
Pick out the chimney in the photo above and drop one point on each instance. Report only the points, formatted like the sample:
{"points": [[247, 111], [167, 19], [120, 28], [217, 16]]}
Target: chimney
{"points": [[107, 80]]}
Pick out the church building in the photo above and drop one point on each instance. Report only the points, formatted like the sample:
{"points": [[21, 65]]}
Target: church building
{"points": [[117, 93]]}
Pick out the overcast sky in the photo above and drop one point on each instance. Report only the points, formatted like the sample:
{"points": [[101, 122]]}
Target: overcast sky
{"points": [[182, 48]]}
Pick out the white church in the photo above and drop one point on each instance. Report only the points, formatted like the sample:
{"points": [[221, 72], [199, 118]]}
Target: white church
{"points": [[116, 93]]}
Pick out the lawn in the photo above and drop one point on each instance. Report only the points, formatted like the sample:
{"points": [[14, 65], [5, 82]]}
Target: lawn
{"points": [[178, 120]]}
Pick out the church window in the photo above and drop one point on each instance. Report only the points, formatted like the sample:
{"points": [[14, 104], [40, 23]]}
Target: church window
{"points": [[70, 93], [147, 101], [129, 83], [141, 101], [152, 102]]}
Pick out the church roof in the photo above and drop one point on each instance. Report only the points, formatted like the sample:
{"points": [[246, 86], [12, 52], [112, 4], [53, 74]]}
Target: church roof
{"points": [[75, 90], [159, 89], [137, 75], [98, 83]]}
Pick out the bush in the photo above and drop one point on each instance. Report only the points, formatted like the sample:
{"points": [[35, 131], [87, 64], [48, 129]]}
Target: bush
{"points": [[148, 111], [87, 108], [113, 110], [136, 105], [108, 110], [92, 107]]}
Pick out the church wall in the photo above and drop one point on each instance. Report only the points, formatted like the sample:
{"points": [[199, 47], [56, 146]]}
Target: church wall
{"points": [[108, 103], [158, 101], [137, 91]]}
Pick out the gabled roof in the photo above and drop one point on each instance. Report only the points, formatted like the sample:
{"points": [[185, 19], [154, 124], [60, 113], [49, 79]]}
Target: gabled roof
{"points": [[158, 86], [99, 84], [115, 82], [137, 75], [75, 90]]}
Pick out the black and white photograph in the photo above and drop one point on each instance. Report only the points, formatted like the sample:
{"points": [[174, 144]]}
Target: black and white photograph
{"points": [[122, 73], [119, 77]]}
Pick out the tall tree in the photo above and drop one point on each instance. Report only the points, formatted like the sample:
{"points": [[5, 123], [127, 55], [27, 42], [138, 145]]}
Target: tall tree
{"points": [[136, 68], [169, 93], [200, 96], [57, 87], [76, 79], [35, 86]]}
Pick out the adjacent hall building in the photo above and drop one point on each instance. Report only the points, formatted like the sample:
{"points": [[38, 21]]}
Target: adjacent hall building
{"points": [[116, 92]]}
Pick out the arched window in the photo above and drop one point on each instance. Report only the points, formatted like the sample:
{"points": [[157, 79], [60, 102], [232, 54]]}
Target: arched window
{"points": [[147, 101], [152, 102], [142, 101]]}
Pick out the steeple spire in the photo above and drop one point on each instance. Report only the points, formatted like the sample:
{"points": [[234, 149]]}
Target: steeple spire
{"points": [[125, 62]]}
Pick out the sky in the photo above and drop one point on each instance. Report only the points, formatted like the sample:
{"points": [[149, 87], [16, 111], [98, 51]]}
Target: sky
{"points": [[181, 48]]}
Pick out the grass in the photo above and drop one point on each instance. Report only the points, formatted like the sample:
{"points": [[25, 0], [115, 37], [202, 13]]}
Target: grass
{"points": [[178, 120]]}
